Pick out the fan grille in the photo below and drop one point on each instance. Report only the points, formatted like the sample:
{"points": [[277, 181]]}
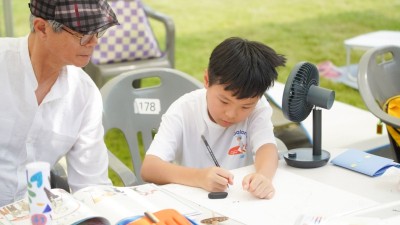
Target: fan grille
{"points": [[295, 105]]}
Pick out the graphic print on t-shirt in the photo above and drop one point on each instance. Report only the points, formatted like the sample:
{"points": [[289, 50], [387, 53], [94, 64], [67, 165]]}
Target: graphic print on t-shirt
{"points": [[239, 143]]}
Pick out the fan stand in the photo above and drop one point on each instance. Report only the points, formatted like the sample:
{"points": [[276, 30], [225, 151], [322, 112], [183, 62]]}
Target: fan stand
{"points": [[302, 157]]}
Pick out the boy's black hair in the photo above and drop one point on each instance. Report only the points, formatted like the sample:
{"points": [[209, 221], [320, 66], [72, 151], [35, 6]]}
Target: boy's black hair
{"points": [[248, 68]]}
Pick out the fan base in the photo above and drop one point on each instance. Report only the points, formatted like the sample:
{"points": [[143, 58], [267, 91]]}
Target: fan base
{"points": [[304, 158]]}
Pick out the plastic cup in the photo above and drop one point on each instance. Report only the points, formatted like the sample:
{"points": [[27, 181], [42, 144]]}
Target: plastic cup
{"points": [[38, 178]]}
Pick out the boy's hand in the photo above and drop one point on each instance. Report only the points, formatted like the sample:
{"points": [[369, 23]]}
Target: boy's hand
{"points": [[259, 185], [214, 179]]}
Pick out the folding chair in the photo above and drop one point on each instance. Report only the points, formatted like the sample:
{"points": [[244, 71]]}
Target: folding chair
{"points": [[378, 81], [137, 111], [132, 44], [59, 176]]}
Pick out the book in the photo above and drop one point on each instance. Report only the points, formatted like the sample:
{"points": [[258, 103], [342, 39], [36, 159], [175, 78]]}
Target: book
{"points": [[100, 205], [364, 162]]}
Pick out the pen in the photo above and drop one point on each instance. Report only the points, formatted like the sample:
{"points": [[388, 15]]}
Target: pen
{"points": [[210, 151]]}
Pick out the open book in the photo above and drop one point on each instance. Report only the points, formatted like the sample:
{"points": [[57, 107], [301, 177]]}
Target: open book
{"points": [[100, 205]]}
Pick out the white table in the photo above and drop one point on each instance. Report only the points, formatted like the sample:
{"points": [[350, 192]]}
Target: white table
{"points": [[367, 41], [326, 191], [379, 189]]}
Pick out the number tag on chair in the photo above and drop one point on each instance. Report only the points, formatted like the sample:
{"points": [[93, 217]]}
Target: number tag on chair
{"points": [[147, 106]]}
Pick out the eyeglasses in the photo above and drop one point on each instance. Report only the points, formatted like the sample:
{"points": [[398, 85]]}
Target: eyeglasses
{"points": [[84, 38]]}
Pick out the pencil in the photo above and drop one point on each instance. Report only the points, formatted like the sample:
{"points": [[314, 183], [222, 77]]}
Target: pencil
{"points": [[211, 153]]}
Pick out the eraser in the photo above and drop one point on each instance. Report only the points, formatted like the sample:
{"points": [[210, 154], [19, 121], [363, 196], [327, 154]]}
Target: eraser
{"points": [[217, 195]]}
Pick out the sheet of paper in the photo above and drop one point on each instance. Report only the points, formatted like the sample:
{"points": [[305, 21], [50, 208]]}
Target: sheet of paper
{"points": [[295, 196]]}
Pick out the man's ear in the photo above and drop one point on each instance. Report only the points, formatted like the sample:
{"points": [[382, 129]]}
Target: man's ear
{"points": [[39, 25], [206, 82]]}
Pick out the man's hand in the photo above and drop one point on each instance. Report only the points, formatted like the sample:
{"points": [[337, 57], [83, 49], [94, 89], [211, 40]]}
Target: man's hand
{"points": [[214, 179], [259, 185]]}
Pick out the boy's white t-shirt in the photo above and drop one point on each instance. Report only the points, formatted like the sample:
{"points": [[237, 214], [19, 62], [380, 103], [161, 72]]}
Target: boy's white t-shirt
{"points": [[179, 136]]}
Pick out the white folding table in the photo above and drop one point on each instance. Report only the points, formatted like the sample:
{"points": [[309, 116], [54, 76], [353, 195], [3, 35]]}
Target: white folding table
{"points": [[367, 41]]}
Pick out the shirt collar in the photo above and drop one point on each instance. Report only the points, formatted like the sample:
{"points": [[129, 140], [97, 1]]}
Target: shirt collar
{"points": [[60, 87]]}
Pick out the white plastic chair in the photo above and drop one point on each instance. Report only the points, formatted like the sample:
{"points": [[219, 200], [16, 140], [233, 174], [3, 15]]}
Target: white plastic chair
{"points": [[379, 80], [132, 44], [137, 111]]}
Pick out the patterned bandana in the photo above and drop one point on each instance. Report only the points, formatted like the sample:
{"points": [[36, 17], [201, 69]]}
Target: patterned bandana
{"points": [[83, 16]]}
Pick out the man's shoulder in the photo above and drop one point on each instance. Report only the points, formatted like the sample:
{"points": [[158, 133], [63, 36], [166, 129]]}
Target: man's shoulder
{"points": [[8, 44]]}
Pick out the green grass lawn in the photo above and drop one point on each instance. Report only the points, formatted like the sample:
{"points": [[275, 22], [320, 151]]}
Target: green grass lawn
{"points": [[312, 30]]}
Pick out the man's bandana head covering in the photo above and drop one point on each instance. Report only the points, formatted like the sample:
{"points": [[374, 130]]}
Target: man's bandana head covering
{"points": [[83, 16]]}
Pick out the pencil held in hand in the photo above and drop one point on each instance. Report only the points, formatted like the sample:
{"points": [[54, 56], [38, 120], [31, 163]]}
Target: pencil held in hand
{"points": [[212, 154], [210, 151]]}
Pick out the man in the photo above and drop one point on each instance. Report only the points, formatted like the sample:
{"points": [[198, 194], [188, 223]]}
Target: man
{"points": [[50, 107]]}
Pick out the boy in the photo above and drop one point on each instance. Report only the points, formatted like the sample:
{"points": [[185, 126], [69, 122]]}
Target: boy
{"points": [[230, 108]]}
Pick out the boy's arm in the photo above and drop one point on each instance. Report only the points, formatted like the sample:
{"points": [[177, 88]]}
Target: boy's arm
{"points": [[266, 160], [259, 183], [158, 171]]}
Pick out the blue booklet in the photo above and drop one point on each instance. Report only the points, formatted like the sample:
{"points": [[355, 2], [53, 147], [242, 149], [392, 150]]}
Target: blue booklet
{"points": [[364, 162]]}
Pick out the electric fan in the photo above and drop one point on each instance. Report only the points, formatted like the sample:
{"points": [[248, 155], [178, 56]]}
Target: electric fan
{"points": [[301, 95]]}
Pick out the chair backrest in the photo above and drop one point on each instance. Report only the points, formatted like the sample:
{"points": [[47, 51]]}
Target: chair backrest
{"points": [[137, 111], [379, 80], [132, 39], [132, 44]]}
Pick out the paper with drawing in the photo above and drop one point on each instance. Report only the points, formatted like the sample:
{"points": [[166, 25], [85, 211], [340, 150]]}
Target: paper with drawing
{"points": [[295, 196]]}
